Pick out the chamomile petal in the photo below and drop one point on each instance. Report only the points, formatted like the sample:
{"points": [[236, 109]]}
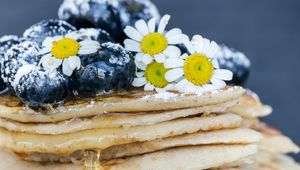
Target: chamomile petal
{"points": [[213, 49], [47, 42], [178, 39], [44, 59], [87, 43], [132, 45], [206, 44], [74, 62], [163, 23], [133, 33], [209, 87], [197, 42], [140, 74], [139, 57], [151, 25], [223, 74], [174, 62], [142, 27], [85, 51], [215, 63], [140, 65], [147, 59], [181, 84], [218, 83], [173, 32], [44, 50], [149, 87], [57, 38], [160, 90], [170, 87], [67, 70], [189, 88], [190, 47], [174, 74], [50, 63], [172, 51], [160, 58], [184, 56], [139, 82], [74, 35]]}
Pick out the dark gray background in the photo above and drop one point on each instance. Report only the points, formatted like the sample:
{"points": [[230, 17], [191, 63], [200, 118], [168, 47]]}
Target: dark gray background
{"points": [[267, 31]]}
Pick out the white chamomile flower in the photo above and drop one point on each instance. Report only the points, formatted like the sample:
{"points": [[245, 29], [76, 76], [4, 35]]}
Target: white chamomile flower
{"points": [[64, 50], [153, 78], [153, 44], [198, 72]]}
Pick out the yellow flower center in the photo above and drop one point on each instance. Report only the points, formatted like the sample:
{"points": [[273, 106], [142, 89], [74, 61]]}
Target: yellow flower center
{"points": [[65, 48], [155, 74], [198, 69], [154, 43]]}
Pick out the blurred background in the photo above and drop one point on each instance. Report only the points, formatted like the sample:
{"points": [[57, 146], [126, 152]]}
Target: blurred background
{"points": [[267, 31]]}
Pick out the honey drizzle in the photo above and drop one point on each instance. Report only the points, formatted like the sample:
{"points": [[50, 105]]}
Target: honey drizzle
{"points": [[92, 160]]}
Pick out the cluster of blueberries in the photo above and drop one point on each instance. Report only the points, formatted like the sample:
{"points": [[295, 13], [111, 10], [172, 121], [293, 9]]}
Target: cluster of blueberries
{"points": [[111, 68]]}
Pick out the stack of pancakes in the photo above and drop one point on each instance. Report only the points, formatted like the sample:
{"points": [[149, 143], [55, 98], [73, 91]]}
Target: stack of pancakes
{"points": [[144, 130]]}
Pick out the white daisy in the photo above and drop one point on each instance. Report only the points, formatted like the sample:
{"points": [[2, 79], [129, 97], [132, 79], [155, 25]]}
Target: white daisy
{"points": [[151, 44], [64, 50], [198, 72], [153, 78]]}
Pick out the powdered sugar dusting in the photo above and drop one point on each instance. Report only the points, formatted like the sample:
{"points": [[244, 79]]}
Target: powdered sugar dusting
{"points": [[80, 7], [166, 96], [24, 70], [19, 55], [227, 53], [48, 28], [118, 60], [9, 38], [90, 32]]}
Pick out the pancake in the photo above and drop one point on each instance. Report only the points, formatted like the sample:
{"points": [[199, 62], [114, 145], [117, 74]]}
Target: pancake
{"points": [[203, 157], [9, 161], [232, 136], [266, 161], [110, 121], [278, 144], [250, 106], [121, 102], [104, 138], [273, 140], [227, 136]]}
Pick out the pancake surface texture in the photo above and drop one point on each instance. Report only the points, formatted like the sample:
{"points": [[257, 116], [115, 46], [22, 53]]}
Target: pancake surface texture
{"points": [[104, 138], [111, 121]]}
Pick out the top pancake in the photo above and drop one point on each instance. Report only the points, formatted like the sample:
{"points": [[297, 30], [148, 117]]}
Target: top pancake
{"points": [[250, 106], [121, 102]]}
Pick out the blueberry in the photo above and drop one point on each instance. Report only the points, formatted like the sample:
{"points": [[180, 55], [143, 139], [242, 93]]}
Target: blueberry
{"points": [[39, 88], [47, 28], [91, 13], [110, 15], [96, 34], [237, 62], [6, 42], [26, 52], [112, 69], [131, 11]]}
